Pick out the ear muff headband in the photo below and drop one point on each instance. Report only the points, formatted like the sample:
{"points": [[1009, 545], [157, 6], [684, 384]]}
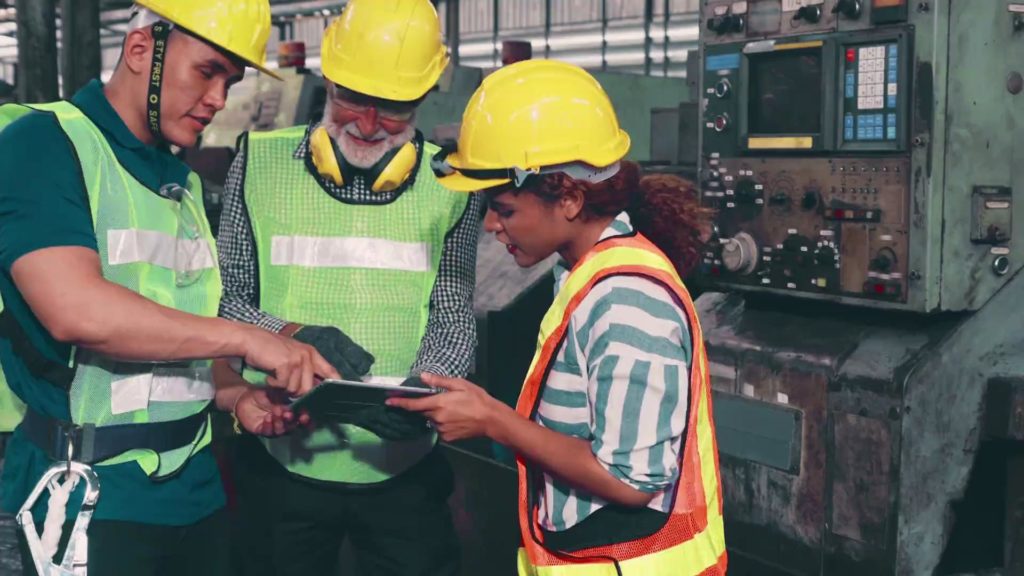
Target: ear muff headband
{"points": [[390, 172]]}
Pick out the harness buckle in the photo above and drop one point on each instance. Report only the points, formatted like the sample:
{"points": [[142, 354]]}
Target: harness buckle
{"points": [[67, 441]]}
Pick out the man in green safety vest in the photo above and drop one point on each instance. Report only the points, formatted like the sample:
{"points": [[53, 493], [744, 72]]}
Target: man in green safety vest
{"points": [[339, 234], [109, 276]]}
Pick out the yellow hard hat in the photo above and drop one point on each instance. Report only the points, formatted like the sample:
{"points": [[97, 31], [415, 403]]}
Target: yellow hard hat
{"points": [[534, 117], [240, 27], [390, 49]]}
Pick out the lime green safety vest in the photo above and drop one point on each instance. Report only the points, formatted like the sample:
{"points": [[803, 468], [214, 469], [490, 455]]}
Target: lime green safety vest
{"points": [[143, 238], [11, 408], [367, 269]]}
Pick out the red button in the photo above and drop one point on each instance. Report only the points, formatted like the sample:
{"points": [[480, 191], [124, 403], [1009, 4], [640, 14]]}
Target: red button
{"points": [[851, 55], [879, 288]]}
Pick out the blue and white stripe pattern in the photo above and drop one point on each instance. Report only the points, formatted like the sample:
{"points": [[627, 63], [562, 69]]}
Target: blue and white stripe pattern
{"points": [[621, 381]]}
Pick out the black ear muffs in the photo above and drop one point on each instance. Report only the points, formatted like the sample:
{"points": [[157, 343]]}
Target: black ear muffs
{"points": [[390, 172]]}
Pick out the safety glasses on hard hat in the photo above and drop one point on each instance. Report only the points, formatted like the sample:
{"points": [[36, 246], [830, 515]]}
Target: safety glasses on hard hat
{"points": [[520, 176], [192, 254], [387, 110]]}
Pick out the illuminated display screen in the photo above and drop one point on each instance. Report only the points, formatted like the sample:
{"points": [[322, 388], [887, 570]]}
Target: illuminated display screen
{"points": [[785, 92]]}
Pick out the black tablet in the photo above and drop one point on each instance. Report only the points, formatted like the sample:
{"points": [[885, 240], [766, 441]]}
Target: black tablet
{"points": [[334, 399]]}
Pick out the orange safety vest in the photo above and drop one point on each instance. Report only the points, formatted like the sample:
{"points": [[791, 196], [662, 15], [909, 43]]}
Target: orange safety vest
{"points": [[692, 542]]}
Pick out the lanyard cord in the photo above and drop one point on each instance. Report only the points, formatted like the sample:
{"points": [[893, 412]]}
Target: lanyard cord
{"points": [[161, 31]]}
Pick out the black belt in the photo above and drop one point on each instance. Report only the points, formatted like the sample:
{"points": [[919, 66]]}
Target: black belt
{"points": [[91, 444]]}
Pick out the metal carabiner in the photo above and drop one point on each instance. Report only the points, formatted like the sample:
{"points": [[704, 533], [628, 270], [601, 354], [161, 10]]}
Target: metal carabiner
{"points": [[75, 560]]}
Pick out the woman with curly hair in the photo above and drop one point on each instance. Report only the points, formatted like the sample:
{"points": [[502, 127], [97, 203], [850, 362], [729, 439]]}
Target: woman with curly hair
{"points": [[615, 446]]}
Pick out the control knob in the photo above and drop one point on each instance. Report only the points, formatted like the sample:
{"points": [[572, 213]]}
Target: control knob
{"points": [[810, 200], [796, 251], [825, 256], [726, 24], [740, 253], [723, 88], [849, 8], [883, 261], [810, 14]]}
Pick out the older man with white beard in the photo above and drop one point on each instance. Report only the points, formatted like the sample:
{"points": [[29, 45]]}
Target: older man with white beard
{"points": [[339, 234]]}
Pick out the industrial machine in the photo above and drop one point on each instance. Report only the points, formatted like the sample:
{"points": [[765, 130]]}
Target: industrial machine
{"points": [[674, 129], [864, 335]]}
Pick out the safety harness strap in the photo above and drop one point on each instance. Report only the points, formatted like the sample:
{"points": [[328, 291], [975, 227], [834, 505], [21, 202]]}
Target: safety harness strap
{"points": [[91, 444]]}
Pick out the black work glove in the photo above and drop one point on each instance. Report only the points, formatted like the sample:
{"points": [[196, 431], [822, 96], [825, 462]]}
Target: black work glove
{"points": [[393, 423], [348, 358]]}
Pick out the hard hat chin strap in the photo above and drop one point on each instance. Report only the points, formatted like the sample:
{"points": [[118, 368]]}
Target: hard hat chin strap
{"points": [[161, 32]]}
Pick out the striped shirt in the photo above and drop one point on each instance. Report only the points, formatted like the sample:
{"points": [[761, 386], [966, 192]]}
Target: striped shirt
{"points": [[621, 381]]}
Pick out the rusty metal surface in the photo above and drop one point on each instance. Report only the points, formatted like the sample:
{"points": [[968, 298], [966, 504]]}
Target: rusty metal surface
{"points": [[894, 412], [861, 494], [775, 360], [943, 422], [845, 370]]}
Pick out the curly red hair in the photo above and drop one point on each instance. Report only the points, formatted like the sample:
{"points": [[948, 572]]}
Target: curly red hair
{"points": [[663, 207]]}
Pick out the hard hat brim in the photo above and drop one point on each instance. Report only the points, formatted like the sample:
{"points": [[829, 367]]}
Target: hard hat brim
{"points": [[266, 71], [461, 183], [260, 67], [248, 62]]}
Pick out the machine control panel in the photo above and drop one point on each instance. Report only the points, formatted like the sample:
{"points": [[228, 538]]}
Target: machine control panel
{"points": [[807, 164], [824, 226]]}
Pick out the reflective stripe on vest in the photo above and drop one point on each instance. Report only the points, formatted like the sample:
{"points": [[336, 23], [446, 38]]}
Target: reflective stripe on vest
{"points": [[159, 249], [317, 252], [692, 541], [367, 269], [163, 384], [137, 235]]}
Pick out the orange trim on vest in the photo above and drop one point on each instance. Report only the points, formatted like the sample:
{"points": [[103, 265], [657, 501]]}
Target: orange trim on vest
{"points": [[689, 517]]}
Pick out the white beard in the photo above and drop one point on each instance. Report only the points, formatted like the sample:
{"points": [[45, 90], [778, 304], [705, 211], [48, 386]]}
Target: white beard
{"points": [[361, 155]]}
